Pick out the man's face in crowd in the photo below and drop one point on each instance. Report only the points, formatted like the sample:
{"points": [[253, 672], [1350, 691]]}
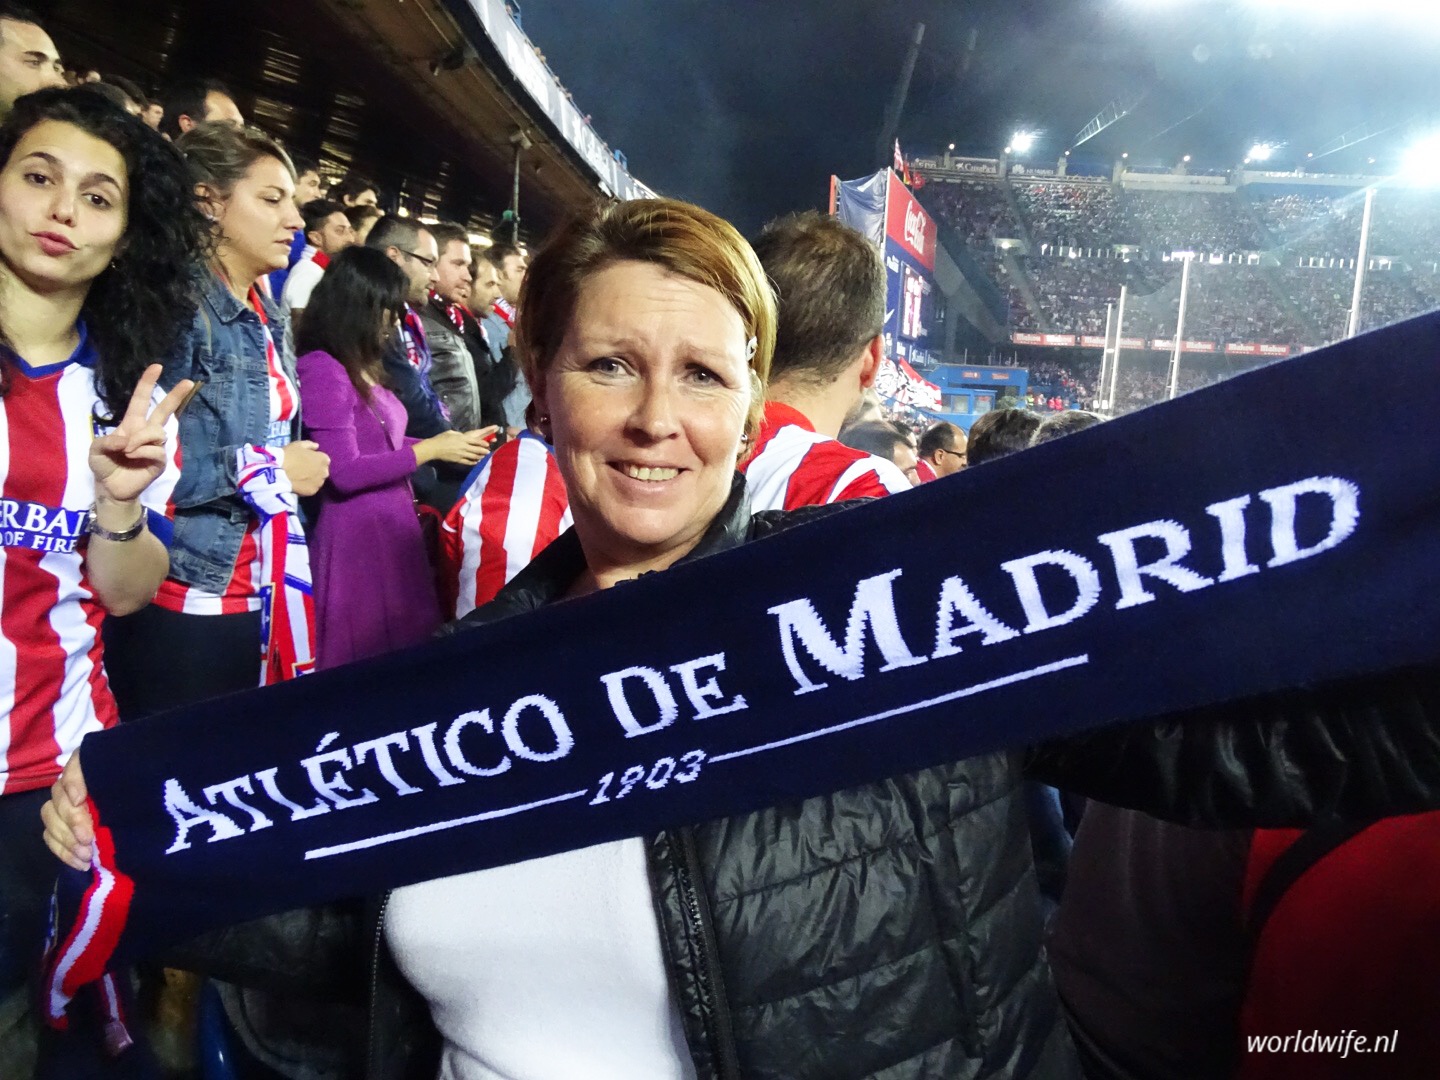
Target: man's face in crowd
{"points": [[512, 276], [307, 187], [419, 265], [28, 62], [908, 463], [368, 197], [486, 289], [452, 275], [220, 108], [334, 236], [949, 462], [153, 114]]}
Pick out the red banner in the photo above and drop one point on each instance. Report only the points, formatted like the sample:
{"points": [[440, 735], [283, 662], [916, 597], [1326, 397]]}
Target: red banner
{"points": [[1274, 350], [907, 223], [1092, 341]]}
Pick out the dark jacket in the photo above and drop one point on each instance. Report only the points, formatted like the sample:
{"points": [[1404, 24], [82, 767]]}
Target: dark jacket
{"points": [[452, 368], [894, 929], [413, 389]]}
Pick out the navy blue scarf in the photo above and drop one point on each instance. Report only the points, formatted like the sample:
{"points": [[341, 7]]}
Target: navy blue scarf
{"points": [[1278, 530]]}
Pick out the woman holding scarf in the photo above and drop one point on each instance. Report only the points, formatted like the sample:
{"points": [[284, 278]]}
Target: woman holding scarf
{"points": [[236, 609], [889, 929]]}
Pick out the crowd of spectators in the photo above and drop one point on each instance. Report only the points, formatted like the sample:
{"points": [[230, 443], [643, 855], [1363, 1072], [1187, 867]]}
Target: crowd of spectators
{"points": [[1090, 239], [179, 529]]}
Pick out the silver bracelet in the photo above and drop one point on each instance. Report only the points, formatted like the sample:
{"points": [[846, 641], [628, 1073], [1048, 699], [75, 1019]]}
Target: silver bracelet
{"points": [[94, 528]]}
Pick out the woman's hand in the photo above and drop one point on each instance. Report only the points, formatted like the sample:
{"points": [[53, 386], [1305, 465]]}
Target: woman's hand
{"points": [[69, 832], [457, 447], [306, 467], [128, 460]]}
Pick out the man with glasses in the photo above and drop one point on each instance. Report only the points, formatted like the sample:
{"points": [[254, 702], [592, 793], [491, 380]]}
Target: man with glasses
{"points": [[411, 246], [942, 448]]}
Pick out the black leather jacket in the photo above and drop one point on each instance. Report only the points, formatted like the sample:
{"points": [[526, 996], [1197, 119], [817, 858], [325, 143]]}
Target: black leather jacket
{"points": [[894, 929]]}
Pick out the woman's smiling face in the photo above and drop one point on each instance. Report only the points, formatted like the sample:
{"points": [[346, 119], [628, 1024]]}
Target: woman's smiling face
{"points": [[647, 399]]}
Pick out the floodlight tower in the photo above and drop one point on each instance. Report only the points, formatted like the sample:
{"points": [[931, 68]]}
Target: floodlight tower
{"points": [[1360, 261], [1179, 342]]}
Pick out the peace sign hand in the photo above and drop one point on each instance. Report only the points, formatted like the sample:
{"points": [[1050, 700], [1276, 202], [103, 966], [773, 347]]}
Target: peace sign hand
{"points": [[126, 461]]}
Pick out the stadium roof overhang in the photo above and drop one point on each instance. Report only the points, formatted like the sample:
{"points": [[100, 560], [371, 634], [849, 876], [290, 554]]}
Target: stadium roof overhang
{"points": [[430, 97]]}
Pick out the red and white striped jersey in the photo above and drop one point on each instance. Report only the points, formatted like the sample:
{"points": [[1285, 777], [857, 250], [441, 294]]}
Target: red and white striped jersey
{"points": [[243, 591], [53, 688], [514, 505], [794, 466]]}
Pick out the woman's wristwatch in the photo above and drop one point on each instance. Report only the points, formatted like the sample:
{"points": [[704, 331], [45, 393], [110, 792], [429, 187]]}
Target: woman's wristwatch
{"points": [[94, 528]]}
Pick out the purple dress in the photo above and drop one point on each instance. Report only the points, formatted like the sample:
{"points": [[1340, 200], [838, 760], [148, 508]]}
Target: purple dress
{"points": [[374, 590]]}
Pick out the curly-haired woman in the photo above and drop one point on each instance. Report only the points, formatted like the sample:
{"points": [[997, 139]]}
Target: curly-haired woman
{"points": [[98, 238]]}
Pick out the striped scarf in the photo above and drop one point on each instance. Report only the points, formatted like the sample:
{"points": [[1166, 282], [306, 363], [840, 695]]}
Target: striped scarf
{"points": [[417, 346], [287, 620]]}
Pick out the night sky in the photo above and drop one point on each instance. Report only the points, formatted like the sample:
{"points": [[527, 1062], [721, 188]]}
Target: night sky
{"points": [[747, 107]]}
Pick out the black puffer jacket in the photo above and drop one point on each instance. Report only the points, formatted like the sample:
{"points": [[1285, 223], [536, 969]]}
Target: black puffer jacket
{"points": [[894, 930]]}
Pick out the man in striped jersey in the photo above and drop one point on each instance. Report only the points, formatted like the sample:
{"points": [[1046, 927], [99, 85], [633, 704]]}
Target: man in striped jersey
{"points": [[830, 283]]}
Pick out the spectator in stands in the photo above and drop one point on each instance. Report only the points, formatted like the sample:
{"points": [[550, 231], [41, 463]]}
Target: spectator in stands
{"points": [[153, 114], [884, 440], [497, 376], [136, 100], [246, 411], [374, 590], [28, 60], [113, 94], [309, 184], [408, 360], [453, 372], [327, 233], [362, 220], [197, 101], [97, 268], [943, 449], [513, 507], [831, 288], [1062, 424], [509, 266], [1000, 432], [412, 247], [355, 190], [307, 190]]}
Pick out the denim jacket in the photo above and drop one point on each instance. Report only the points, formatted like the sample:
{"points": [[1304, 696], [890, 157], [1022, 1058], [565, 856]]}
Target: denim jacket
{"points": [[224, 352]]}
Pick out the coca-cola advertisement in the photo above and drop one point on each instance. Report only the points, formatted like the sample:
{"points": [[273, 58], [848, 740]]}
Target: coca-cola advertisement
{"points": [[909, 226], [910, 242]]}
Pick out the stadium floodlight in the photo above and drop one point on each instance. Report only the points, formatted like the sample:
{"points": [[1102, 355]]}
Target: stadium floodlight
{"points": [[1125, 156], [952, 146], [1022, 142], [1186, 159], [1422, 159], [1261, 152]]}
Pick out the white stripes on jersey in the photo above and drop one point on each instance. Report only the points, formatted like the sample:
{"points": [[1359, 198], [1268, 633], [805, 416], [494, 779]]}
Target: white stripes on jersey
{"points": [[513, 507], [795, 467], [53, 688]]}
